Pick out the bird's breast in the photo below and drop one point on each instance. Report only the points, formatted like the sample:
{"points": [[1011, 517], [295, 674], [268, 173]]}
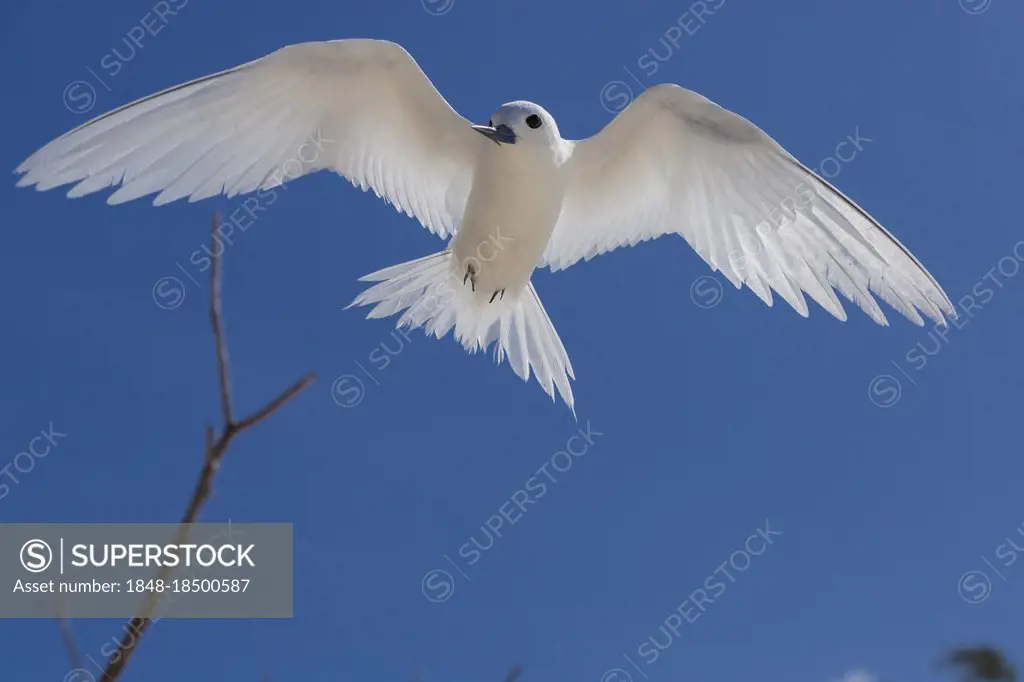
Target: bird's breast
{"points": [[510, 215]]}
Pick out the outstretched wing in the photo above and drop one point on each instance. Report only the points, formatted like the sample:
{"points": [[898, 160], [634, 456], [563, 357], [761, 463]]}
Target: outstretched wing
{"points": [[362, 108], [675, 162]]}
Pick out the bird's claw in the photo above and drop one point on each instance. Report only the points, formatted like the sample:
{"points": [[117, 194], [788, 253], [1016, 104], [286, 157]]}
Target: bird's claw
{"points": [[496, 293], [471, 276]]}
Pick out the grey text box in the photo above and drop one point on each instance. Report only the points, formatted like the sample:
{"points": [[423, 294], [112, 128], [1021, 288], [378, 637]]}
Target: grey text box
{"points": [[111, 570]]}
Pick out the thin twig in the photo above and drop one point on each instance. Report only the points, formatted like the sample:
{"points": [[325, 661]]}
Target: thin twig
{"points": [[217, 322], [273, 406], [216, 447], [69, 642]]}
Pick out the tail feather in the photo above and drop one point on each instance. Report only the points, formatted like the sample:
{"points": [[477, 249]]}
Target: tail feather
{"points": [[429, 294]]}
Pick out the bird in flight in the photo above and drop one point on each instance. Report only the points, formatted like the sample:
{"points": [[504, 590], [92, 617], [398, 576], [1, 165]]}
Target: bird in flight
{"points": [[509, 197]]}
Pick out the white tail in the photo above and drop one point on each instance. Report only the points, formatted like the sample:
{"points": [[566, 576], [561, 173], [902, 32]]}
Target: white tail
{"points": [[432, 294]]}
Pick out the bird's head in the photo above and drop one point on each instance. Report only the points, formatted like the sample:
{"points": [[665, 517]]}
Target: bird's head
{"points": [[522, 123]]}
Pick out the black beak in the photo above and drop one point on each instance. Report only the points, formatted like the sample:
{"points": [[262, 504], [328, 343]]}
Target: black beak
{"points": [[500, 134]]}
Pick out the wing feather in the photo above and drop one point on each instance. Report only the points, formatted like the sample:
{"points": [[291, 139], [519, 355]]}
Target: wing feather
{"points": [[675, 162], [362, 108]]}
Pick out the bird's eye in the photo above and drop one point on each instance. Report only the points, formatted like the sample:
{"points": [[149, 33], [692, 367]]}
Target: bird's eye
{"points": [[533, 120]]}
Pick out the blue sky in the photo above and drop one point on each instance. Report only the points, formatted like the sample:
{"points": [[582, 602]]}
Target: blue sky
{"points": [[887, 458]]}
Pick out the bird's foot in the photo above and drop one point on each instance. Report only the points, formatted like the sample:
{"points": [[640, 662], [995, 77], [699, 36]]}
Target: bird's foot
{"points": [[496, 293], [471, 276]]}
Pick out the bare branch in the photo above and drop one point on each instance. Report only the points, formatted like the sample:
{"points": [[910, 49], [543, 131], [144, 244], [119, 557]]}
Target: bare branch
{"points": [[273, 406], [215, 448], [69, 642], [216, 321]]}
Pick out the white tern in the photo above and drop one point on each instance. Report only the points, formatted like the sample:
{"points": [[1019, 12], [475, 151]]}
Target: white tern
{"points": [[510, 197]]}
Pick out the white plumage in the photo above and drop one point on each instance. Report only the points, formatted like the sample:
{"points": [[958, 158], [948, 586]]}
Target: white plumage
{"points": [[515, 198]]}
